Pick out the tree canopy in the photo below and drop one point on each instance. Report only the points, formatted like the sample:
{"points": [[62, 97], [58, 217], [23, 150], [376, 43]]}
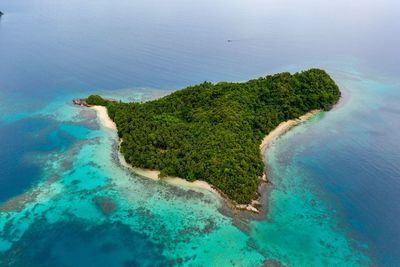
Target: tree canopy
{"points": [[213, 132]]}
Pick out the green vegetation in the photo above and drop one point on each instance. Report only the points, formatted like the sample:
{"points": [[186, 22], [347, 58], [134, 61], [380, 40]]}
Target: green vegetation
{"points": [[96, 100], [213, 132]]}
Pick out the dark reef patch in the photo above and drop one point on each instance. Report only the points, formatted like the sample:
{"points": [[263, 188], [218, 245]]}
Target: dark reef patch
{"points": [[75, 243], [272, 263], [106, 205]]}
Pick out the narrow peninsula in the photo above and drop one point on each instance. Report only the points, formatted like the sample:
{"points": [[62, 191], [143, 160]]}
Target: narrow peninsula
{"points": [[213, 132]]}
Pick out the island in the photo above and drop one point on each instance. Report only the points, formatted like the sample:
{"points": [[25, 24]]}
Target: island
{"points": [[213, 131]]}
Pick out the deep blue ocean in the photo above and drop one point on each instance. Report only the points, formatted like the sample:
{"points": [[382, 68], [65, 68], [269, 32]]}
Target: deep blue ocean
{"points": [[65, 200]]}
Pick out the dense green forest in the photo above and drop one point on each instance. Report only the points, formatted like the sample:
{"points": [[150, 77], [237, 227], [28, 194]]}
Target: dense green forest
{"points": [[213, 132]]}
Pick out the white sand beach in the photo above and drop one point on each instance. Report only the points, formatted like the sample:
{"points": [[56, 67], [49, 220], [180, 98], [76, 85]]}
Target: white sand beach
{"points": [[283, 128], [103, 117], [154, 175]]}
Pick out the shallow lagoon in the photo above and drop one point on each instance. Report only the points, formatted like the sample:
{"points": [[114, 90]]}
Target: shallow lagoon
{"points": [[88, 191]]}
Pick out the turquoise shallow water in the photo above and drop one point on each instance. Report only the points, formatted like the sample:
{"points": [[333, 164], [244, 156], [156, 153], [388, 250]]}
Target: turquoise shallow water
{"points": [[65, 199], [87, 204]]}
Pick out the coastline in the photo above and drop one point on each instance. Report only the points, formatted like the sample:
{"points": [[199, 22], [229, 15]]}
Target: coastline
{"points": [[154, 175], [283, 127], [103, 117]]}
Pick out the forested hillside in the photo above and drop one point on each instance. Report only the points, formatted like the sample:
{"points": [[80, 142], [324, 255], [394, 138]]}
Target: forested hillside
{"points": [[213, 132]]}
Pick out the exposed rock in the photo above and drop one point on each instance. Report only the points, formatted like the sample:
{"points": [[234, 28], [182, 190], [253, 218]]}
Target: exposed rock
{"points": [[264, 178], [247, 207], [256, 204], [80, 102]]}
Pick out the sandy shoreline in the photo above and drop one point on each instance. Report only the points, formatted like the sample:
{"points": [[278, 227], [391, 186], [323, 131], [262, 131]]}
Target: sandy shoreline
{"points": [[154, 175], [283, 128], [106, 121], [103, 117]]}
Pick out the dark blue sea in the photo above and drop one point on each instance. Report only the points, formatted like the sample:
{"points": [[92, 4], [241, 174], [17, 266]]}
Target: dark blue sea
{"points": [[65, 198]]}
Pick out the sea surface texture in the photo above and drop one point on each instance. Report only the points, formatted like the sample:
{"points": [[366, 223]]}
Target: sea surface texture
{"points": [[65, 199]]}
